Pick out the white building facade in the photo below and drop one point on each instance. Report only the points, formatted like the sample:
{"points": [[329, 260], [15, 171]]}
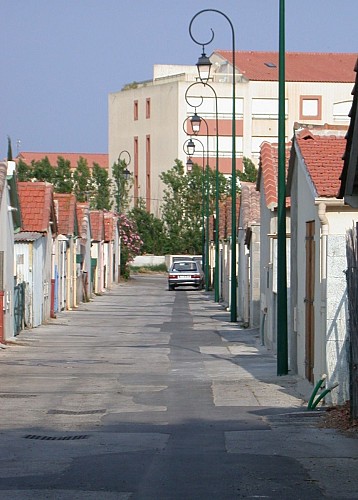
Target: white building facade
{"points": [[149, 119]]}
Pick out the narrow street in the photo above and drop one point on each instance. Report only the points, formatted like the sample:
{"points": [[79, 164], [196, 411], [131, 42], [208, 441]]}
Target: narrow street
{"points": [[146, 394]]}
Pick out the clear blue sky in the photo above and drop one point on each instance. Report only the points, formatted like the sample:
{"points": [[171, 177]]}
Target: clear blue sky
{"points": [[61, 58]]}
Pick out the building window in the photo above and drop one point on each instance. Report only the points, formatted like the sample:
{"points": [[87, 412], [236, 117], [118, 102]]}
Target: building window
{"points": [[341, 111], [136, 182], [147, 108], [147, 176], [266, 109], [135, 110], [310, 107]]}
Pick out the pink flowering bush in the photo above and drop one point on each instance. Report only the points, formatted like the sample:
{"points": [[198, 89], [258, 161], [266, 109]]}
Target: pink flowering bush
{"points": [[131, 243]]}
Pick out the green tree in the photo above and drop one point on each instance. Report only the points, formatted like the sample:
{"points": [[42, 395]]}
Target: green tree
{"points": [[62, 180], [249, 173], [129, 86], [102, 188], [82, 179], [122, 183], [224, 188], [23, 171], [42, 170], [150, 229], [183, 205], [173, 209]]}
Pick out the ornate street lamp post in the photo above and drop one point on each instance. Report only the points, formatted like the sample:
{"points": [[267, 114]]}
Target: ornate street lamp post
{"points": [[125, 163], [195, 124], [204, 66], [189, 149], [124, 175]]}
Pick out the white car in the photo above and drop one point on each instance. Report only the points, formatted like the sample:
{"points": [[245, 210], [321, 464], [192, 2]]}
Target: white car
{"points": [[186, 273]]}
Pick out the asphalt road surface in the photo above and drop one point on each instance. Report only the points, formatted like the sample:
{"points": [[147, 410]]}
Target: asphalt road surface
{"points": [[147, 394]]}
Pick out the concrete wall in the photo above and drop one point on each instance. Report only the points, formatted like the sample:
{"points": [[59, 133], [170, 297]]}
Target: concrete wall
{"points": [[268, 327], [330, 298], [148, 260], [161, 130], [7, 246], [255, 271], [336, 323]]}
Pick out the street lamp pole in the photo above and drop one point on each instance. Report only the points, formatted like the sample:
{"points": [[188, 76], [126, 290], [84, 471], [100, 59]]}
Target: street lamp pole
{"points": [[126, 173], [204, 65], [282, 334], [217, 194], [190, 150]]}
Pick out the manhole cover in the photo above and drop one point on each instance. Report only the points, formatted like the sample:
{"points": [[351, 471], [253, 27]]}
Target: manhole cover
{"points": [[17, 396], [74, 412]]}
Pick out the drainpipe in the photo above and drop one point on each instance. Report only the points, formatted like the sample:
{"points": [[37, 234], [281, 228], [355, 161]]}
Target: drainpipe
{"points": [[262, 329], [324, 236], [52, 301], [324, 223], [1, 315]]}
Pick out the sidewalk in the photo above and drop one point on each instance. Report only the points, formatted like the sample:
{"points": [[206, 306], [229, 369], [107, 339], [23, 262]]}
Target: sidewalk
{"points": [[258, 364], [296, 433]]}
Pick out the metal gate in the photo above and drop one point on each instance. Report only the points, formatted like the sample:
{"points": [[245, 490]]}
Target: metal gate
{"points": [[19, 307]]}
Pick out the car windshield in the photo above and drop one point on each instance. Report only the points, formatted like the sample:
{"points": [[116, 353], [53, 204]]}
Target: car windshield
{"points": [[184, 266]]}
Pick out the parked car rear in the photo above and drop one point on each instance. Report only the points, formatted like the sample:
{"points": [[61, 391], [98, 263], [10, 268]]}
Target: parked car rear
{"points": [[186, 273]]}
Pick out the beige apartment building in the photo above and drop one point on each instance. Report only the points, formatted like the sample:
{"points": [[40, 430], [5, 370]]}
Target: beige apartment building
{"points": [[149, 119]]}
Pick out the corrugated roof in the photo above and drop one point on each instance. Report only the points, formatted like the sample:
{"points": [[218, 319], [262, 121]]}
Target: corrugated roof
{"points": [[27, 236], [299, 66], [73, 158]]}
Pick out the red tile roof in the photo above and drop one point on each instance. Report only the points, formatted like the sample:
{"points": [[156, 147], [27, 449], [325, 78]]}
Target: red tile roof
{"points": [[66, 213], [299, 66], [37, 206], [225, 218], [250, 204], [268, 170], [100, 158], [82, 210], [109, 226], [323, 159], [97, 224]]}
